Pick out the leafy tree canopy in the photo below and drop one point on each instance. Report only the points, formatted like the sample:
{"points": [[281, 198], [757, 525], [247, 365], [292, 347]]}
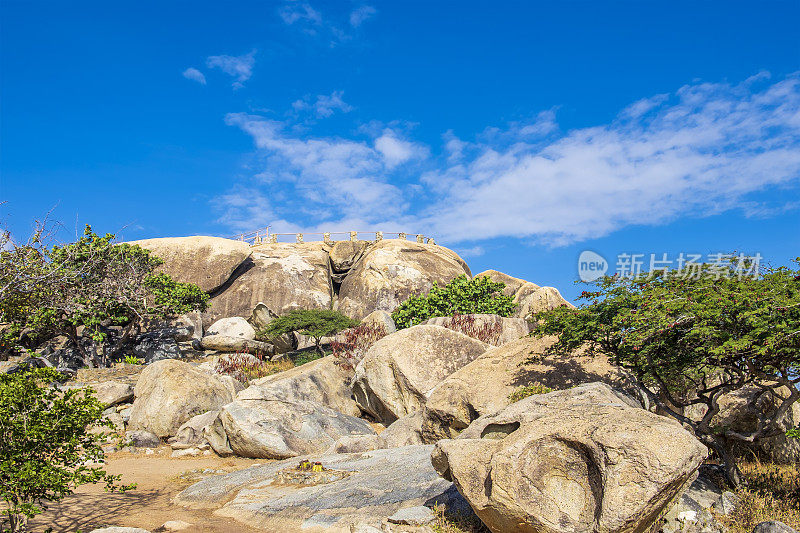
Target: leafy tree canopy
{"points": [[690, 339], [47, 448], [315, 323], [89, 285], [462, 296]]}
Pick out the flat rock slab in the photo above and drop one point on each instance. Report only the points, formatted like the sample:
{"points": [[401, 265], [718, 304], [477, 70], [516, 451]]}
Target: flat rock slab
{"points": [[375, 485]]}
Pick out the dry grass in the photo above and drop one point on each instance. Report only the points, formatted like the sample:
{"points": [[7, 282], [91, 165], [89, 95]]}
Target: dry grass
{"points": [[772, 493], [528, 390], [455, 523], [246, 367]]}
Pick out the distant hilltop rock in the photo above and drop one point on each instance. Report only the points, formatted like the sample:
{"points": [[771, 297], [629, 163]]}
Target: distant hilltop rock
{"points": [[354, 277]]}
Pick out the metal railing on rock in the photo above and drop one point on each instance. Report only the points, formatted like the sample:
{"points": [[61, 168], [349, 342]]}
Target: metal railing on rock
{"points": [[265, 236]]}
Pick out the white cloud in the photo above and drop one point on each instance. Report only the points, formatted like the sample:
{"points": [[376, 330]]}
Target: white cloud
{"points": [[700, 153], [342, 176], [396, 151], [703, 150], [193, 74], [295, 11], [359, 15], [239, 67], [325, 105]]}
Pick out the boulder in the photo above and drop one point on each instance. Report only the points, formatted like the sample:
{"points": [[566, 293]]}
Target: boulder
{"points": [[235, 326], [284, 277], [321, 381], [191, 433], [170, 392], [157, 345], [397, 372], [358, 444], [507, 329], [261, 317], [223, 343], [381, 318], [142, 439], [773, 526], [113, 392], [695, 509], [529, 297], [583, 459], [360, 488], [208, 262], [484, 385], [262, 424], [343, 255], [405, 431], [740, 410], [392, 270]]}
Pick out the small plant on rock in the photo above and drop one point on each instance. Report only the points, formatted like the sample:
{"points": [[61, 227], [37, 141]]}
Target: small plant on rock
{"points": [[528, 390], [47, 448], [245, 367], [466, 324], [462, 296], [351, 350]]}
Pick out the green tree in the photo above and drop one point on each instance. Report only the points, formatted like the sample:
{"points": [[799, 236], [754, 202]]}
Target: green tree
{"points": [[462, 296], [84, 289], [47, 448], [315, 323], [690, 339]]}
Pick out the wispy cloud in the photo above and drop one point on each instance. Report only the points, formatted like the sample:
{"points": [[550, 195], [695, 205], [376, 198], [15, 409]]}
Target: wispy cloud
{"points": [[294, 11], [239, 67], [703, 150], [324, 105], [359, 15], [336, 29], [193, 74]]}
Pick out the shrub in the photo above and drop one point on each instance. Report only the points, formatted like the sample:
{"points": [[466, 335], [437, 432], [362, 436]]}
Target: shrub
{"points": [[462, 296], [772, 492], [528, 390], [315, 323], [350, 351], [689, 338], [133, 360], [47, 448], [466, 324], [83, 289], [245, 367]]}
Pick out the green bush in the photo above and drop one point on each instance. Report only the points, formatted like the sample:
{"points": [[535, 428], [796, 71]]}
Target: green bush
{"points": [[47, 448], [462, 296], [315, 323], [528, 390], [133, 360]]}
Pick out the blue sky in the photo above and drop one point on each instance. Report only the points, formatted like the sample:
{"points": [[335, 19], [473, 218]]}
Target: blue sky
{"points": [[518, 133]]}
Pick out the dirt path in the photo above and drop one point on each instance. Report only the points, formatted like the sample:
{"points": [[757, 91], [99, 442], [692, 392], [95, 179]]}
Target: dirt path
{"points": [[159, 479]]}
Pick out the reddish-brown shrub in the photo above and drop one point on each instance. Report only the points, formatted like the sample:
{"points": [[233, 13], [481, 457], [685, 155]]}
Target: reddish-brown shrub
{"points": [[245, 366], [466, 324], [354, 344]]}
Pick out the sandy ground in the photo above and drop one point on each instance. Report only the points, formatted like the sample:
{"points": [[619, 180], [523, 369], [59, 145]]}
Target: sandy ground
{"points": [[159, 479]]}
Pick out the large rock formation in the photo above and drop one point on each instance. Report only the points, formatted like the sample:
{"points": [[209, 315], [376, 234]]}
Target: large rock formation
{"points": [[262, 424], [321, 381], [392, 270], [529, 297], [171, 392], [205, 261], [399, 370], [483, 386], [284, 277], [584, 459], [360, 489]]}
